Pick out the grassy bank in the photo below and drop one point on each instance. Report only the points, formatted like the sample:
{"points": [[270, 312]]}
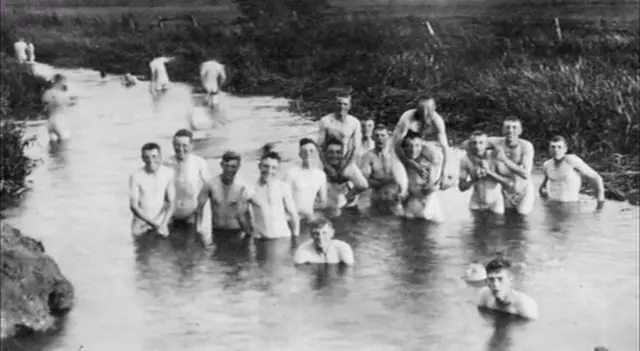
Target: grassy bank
{"points": [[584, 85]]}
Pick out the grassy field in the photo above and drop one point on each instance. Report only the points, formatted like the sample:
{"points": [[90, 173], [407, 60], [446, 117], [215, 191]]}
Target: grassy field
{"points": [[488, 60]]}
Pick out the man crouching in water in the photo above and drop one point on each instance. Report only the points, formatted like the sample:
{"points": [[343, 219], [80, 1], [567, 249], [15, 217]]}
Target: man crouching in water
{"points": [[191, 177], [129, 80], [478, 170], [500, 296], [57, 99], [323, 248]]}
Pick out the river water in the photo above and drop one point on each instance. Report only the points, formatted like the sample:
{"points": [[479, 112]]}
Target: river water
{"points": [[404, 293]]}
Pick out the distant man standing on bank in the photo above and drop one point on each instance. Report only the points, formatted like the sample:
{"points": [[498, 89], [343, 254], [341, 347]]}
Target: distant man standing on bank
{"points": [[562, 175], [307, 183], [151, 193]]}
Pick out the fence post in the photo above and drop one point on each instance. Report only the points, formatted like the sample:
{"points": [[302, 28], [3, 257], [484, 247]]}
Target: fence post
{"points": [[432, 32], [556, 23]]}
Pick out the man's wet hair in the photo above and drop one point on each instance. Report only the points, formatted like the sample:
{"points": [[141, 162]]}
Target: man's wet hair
{"points": [[272, 155], [559, 138], [497, 264], [231, 156], [305, 141], [380, 126], [477, 133], [334, 141], [410, 136], [320, 222], [343, 94], [512, 119], [149, 147], [183, 133]]}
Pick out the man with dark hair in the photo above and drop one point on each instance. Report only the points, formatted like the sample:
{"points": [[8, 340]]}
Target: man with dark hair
{"points": [[562, 181], [307, 183], [368, 125], [271, 202], [151, 193], [322, 248], [341, 190], [499, 294], [478, 170]]}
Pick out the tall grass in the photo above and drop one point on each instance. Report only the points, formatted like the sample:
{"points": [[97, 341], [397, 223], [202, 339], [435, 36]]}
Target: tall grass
{"points": [[480, 70]]}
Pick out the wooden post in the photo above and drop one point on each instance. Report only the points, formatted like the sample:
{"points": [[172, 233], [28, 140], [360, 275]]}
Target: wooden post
{"points": [[556, 22], [432, 32]]}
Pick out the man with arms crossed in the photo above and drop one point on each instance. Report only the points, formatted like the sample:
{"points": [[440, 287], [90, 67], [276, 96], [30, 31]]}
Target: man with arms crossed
{"points": [[345, 128], [562, 172], [230, 215], [151, 193], [499, 295], [191, 176], [478, 170], [271, 202], [306, 182], [322, 248]]}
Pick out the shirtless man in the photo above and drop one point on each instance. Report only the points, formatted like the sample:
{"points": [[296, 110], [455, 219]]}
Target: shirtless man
{"points": [[562, 172], [57, 99], [271, 202], [367, 135], [498, 295], [31, 53], [346, 129], [212, 76], [159, 76], [21, 47], [322, 248], [230, 215], [151, 193], [339, 188], [191, 176], [516, 163], [422, 201], [307, 183], [478, 169], [425, 121], [129, 80]]}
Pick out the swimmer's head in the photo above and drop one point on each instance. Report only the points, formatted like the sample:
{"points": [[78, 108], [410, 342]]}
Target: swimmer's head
{"points": [[307, 149], [151, 156], [367, 126], [343, 102], [182, 143], [58, 79], [426, 106], [322, 231], [558, 147], [478, 142], [499, 276], [103, 74], [512, 128], [334, 152], [230, 164], [412, 145], [380, 136], [268, 165]]}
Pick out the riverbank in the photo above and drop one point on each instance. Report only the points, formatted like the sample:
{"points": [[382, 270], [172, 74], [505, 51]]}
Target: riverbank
{"points": [[583, 85]]}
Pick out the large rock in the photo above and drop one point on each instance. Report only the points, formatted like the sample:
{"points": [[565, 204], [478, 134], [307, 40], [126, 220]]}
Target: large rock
{"points": [[34, 291]]}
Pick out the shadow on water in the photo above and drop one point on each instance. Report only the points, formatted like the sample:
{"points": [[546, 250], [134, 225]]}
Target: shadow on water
{"points": [[491, 235], [58, 154], [503, 325]]}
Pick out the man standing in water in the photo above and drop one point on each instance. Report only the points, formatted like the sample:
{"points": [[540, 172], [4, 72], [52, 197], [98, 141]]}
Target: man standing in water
{"points": [[159, 76], [478, 170], [376, 166], [31, 52], [21, 50], [340, 191], [151, 193], [367, 135], [422, 201], [57, 99], [212, 76], [191, 176], [271, 202], [322, 248], [230, 215], [306, 182], [346, 129], [499, 295], [562, 171]]}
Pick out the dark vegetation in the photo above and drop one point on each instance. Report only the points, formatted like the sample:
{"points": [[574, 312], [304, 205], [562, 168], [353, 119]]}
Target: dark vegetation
{"points": [[480, 69]]}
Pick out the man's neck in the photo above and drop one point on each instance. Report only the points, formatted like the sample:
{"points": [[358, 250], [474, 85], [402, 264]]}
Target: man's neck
{"points": [[512, 143], [227, 180], [264, 181], [340, 116], [183, 158], [305, 165], [150, 171]]}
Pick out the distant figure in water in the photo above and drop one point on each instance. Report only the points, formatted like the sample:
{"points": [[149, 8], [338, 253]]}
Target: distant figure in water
{"points": [[562, 172], [307, 182], [129, 80], [322, 248], [31, 52], [499, 295], [151, 193], [21, 50], [103, 74], [57, 99], [212, 76], [160, 82], [368, 143]]}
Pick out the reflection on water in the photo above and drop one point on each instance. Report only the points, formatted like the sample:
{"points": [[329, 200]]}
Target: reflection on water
{"points": [[405, 291]]}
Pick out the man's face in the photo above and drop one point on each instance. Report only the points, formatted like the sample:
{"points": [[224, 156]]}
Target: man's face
{"points": [[182, 146], [367, 127], [343, 105], [380, 137], [478, 144], [230, 168], [268, 168], [511, 130], [499, 282], [334, 154], [321, 236], [557, 149], [413, 148], [307, 152], [152, 159]]}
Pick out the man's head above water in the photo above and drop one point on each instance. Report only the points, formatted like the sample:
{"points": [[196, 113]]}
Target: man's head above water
{"points": [[380, 136], [343, 103], [412, 145], [321, 232], [151, 156], [478, 143], [499, 277], [512, 128], [307, 149], [268, 165], [182, 143], [230, 165], [425, 106], [334, 152], [558, 147]]}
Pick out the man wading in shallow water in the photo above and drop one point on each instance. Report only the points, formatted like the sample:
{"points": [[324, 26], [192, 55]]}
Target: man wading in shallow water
{"points": [[322, 248], [307, 183], [562, 171], [499, 295]]}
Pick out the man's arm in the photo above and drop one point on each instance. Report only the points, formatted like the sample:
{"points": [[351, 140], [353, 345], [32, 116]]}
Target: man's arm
{"points": [[290, 207], [170, 203], [134, 201], [466, 181], [346, 254], [504, 181], [527, 307], [439, 124], [322, 192], [245, 213], [588, 172], [300, 257], [322, 134], [523, 171]]}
